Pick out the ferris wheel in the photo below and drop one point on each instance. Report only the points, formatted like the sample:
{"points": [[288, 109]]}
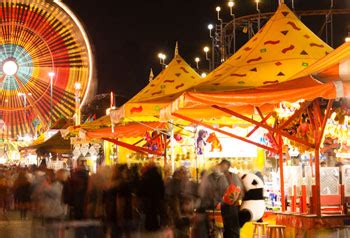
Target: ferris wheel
{"points": [[46, 65]]}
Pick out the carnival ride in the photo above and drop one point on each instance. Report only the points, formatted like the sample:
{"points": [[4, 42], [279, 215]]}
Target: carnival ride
{"points": [[46, 66]]}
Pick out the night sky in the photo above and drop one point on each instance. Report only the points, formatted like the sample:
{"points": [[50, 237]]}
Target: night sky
{"points": [[128, 35]]}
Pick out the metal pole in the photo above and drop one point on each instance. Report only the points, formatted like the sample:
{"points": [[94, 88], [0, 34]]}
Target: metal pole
{"points": [[258, 10], [212, 61], [51, 82], [234, 33], [172, 145]]}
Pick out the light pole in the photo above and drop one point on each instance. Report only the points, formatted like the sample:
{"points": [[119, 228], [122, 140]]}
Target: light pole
{"points": [[162, 58], [51, 75], [210, 27], [77, 86], [206, 50], [222, 45], [197, 59], [231, 4], [24, 95], [258, 10]]}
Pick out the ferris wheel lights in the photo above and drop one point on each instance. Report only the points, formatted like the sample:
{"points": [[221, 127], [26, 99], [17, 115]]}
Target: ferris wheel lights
{"points": [[231, 4], [77, 85], [10, 67]]}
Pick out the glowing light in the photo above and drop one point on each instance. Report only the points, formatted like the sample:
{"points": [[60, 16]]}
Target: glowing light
{"points": [[51, 74], [77, 85], [162, 56], [10, 67], [347, 39], [231, 3], [210, 26], [218, 9], [87, 42], [197, 59], [203, 75], [206, 49]]}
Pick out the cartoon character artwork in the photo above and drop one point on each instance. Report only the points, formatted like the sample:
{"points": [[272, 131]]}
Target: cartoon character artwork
{"points": [[200, 144], [214, 141]]}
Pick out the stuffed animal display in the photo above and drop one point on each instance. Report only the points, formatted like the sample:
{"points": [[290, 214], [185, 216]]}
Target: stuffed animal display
{"points": [[214, 141], [202, 134], [253, 205]]}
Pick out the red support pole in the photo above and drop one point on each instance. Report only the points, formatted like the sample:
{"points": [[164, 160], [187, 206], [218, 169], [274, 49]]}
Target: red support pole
{"points": [[271, 129], [280, 151], [264, 119], [317, 181], [318, 138], [303, 207], [294, 199], [224, 132]]}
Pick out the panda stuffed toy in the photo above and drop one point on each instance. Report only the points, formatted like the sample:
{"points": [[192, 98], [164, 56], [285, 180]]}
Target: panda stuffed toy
{"points": [[253, 205]]}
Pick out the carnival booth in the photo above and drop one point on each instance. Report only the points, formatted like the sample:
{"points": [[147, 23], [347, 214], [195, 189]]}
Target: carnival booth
{"points": [[144, 109], [293, 108], [309, 103]]}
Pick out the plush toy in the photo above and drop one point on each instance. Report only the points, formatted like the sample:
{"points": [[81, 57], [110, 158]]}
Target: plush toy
{"points": [[202, 134], [178, 138], [214, 141], [154, 142], [253, 205]]}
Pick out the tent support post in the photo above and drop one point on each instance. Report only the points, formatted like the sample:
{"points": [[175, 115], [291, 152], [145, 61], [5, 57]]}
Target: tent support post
{"points": [[318, 138], [280, 153], [264, 119], [224, 132]]}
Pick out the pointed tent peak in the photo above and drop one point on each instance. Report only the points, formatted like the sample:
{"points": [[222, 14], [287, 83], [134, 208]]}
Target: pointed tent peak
{"points": [[176, 49], [283, 46], [151, 75], [172, 81], [281, 2]]}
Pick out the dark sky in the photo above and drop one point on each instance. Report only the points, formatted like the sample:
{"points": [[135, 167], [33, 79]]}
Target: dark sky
{"points": [[128, 34]]}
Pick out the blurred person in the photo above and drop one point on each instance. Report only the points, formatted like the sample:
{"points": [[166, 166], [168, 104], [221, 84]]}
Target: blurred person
{"points": [[47, 195], [212, 191], [179, 198], [152, 196], [4, 193], [78, 184], [76, 196], [110, 203], [22, 192], [128, 216]]}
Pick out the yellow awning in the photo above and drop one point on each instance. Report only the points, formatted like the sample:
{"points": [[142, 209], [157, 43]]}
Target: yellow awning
{"points": [[175, 79], [282, 48]]}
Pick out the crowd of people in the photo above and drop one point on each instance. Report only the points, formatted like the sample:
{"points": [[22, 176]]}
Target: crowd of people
{"points": [[128, 201]]}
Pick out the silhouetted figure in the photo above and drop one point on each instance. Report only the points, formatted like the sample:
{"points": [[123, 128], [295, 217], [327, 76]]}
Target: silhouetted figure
{"points": [[152, 193]]}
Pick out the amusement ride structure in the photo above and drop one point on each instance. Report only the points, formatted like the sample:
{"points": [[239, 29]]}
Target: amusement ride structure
{"points": [[46, 66]]}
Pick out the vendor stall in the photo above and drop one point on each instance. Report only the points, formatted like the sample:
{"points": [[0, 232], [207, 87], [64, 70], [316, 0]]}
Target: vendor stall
{"points": [[293, 107]]}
